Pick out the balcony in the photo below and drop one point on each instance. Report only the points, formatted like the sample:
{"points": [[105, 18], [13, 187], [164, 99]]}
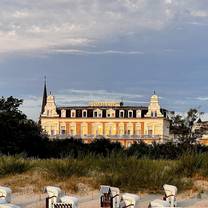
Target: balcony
{"points": [[113, 137]]}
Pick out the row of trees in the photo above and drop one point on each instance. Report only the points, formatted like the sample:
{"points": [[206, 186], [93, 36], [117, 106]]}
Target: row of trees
{"points": [[21, 135]]}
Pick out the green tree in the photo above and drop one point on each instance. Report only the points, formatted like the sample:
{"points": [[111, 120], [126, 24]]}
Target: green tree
{"points": [[17, 133], [182, 127]]}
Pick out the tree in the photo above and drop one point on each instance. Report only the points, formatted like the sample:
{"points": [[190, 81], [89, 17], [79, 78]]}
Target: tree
{"points": [[17, 133], [182, 127]]}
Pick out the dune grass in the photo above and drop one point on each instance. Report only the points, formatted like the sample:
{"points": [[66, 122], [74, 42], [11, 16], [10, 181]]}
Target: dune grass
{"points": [[127, 173]]}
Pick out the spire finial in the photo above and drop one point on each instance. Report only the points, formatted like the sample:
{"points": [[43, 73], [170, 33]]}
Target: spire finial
{"points": [[44, 100], [154, 92]]}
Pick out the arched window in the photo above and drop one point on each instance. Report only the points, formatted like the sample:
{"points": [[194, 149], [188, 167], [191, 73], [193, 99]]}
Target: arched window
{"points": [[84, 113], [154, 114], [130, 114], [121, 114], [73, 113], [97, 113]]}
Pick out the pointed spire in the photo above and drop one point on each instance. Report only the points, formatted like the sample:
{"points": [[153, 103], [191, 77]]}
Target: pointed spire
{"points": [[44, 101]]}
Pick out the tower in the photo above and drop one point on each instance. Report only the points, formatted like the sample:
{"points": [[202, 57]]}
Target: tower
{"points": [[154, 107], [44, 100]]}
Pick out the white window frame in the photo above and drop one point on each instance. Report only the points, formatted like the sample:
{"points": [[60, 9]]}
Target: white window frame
{"points": [[130, 111], [99, 113], [84, 111], [63, 113], [121, 111], [138, 113], [73, 111]]}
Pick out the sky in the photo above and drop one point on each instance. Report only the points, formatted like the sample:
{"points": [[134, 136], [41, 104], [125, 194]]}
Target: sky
{"points": [[105, 50]]}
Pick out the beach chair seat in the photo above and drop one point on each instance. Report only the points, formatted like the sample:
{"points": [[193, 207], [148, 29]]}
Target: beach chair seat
{"points": [[159, 203], [130, 200], [9, 206], [57, 198], [73, 201]]}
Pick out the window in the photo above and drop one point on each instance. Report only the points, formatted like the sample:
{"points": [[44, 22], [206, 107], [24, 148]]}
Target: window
{"points": [[154, 114], [130, 114], [122, 114], [73, 113], [52, 132], [138, 114], [84, 113], [110, 113], [97, 113], [63, 113], [63, 131], [150, 131]]}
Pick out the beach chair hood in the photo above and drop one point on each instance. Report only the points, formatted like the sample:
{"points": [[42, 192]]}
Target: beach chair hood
{"points": [[5, 194], [159, 203], [53, 191], [170, 190]]}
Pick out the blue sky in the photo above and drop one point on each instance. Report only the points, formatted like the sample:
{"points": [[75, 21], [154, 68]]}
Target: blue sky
{"points": [[106, 50]]}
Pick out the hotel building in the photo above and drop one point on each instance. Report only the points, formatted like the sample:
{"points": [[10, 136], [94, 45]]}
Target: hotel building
{"points": [[112, 120]]}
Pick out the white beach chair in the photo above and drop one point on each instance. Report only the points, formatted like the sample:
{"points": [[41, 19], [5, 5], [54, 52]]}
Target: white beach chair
{"points": [[110, 197], [130, 200], [169, 199], [57, 198], [5, 195], [106, 196], [5, 198]]}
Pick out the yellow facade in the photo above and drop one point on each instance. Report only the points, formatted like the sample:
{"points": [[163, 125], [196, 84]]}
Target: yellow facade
{"points": [[112, 120]]}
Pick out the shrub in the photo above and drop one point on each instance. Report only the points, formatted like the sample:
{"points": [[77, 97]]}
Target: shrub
{"points": [[13, 165], [64, 168]]}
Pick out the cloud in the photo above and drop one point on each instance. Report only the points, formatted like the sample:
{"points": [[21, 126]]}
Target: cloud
{"points": [[202, 98], [60, 25], [106, 52], [199, 13]]}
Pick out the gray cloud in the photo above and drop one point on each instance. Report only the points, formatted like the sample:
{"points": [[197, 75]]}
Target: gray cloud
{"points": [[64, 24]]}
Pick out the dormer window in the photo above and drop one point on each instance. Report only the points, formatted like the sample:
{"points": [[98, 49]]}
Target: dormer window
{"points": [[121, 114], [84, 113], [73, 113], [110, 113], [97, 113], [130, 114], [138, 113], [63, 113]]}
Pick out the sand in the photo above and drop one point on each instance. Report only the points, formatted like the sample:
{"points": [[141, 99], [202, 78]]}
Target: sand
{"points": [[30, 200]]}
